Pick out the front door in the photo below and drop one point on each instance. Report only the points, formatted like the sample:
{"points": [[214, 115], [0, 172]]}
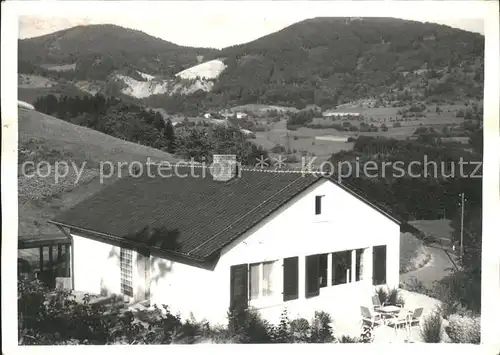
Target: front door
{"points": [[239, 287]]}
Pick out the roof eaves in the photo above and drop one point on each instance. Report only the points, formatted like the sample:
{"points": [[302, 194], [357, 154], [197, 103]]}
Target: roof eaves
{"points": [[122, 240]]}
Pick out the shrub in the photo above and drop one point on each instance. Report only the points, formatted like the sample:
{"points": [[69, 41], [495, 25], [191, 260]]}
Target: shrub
{"points": [[278, 148], [415, 285], [248, 326], [394, 297], [464, 329], [281, 333], [300, 330], [431, 328], [382, 294], [292, 158], [367, 334], [348, 339], [321, 330]]}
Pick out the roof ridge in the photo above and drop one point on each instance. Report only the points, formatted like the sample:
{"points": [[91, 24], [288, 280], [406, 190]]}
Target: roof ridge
{"points": [[249, 168]]}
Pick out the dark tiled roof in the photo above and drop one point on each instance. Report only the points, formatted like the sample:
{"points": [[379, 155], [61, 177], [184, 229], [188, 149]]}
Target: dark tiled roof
{"points": [[192, 216]]}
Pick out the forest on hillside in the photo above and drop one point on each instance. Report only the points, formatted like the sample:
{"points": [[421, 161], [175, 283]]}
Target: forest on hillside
{"points": [[137, 124]]}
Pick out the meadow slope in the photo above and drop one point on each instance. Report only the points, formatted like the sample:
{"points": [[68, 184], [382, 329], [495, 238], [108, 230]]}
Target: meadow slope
{"points": [[45, 138]]}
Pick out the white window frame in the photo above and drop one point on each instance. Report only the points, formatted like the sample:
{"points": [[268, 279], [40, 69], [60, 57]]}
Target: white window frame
{"points": [[262, 299]]}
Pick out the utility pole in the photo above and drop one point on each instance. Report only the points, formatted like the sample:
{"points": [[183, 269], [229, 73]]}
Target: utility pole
{"points": [[462, 205]]}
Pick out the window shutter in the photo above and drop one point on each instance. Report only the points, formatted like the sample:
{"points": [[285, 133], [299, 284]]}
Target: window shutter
{"points": [[379, 265], [312, 275], [290, 278], [239, 287]]}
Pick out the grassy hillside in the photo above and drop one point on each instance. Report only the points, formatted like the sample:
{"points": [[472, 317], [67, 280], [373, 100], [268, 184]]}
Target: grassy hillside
{"points": [[45, 138], [97, 50], [413, 253]]}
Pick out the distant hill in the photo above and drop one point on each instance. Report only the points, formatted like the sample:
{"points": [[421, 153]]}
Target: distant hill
{"points": [[93, 52], [322, 61], [331, 60]]}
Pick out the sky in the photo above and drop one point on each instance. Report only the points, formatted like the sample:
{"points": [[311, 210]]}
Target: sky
{"points": [[222, 24]]}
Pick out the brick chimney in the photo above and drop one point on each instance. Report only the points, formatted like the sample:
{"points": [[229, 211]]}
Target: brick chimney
{"points": [[224, 167]]}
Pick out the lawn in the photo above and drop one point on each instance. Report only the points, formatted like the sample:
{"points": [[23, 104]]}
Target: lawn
{"points": [[303, 140]]}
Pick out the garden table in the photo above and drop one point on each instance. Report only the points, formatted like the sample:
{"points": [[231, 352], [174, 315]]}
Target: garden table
{"points": [[388, 311]]}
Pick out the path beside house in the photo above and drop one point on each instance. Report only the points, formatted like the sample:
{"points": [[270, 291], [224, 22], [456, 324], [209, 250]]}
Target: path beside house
{"points": [[438, 267]]}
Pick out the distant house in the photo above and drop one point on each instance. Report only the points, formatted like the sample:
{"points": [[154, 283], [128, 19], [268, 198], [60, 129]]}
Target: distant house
{"points": [[265, 239], [25, 105], [341, 114]]}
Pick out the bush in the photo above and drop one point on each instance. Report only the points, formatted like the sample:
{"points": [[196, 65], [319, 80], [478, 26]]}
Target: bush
{"points": [[431, 328], [300, 330], [464, 329], [394, 297], [278, 148], [292, 158], [390, 296], [248, 326], [321, 330], [348, 339], [367, 334]]}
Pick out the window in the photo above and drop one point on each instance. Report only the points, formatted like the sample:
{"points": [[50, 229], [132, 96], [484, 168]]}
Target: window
{"points": [[261, 281], [318, 205], [323, 270], [126, 285], [267, 278], [359, 264], [290, 278], [312, 275], [341, 267], [254, 281]]}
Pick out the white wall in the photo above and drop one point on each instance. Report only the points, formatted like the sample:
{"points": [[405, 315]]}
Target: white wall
{"points": [[185, 289], [96, 266], [346, 223]]}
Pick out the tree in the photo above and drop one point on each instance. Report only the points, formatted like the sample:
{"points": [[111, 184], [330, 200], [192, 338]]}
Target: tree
{"points": [[169, 134], [476, 140]]}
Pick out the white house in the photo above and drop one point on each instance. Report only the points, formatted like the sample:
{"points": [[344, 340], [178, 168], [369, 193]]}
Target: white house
{"points": [[202, 244]]}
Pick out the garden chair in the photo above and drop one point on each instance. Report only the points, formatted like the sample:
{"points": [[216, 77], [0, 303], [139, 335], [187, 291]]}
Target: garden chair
{"points": [[367, 317], [376, 302], [402, 319], [415, 316]]}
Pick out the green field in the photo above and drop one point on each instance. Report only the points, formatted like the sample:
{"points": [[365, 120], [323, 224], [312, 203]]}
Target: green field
{"points": [[303, 140]]}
